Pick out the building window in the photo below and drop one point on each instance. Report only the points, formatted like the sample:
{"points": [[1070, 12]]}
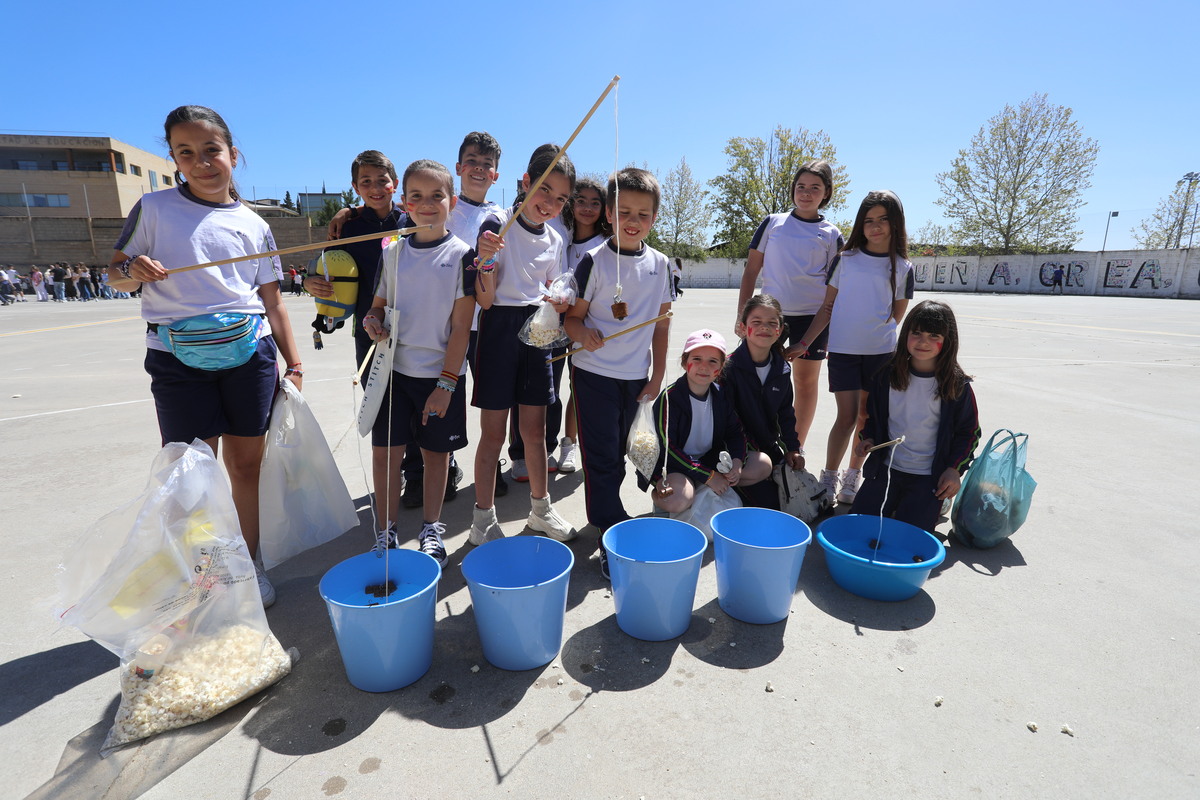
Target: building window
{"points": [[167, 180], [153, 180], [135, 169], [18, 200], [61, 166], [21, 164]]}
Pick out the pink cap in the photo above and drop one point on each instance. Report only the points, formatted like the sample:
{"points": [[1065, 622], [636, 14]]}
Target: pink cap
{"points": [[705, 337]]}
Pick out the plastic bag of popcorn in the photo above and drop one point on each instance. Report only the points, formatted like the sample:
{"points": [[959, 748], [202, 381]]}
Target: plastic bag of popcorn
{"points": [[643, 447], [544, 330], [166, 583]]}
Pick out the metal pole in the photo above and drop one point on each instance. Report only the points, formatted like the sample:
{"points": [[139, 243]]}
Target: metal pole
{"points": [[91, 233], [1195, 210], [1108, 222], [29, 219]]}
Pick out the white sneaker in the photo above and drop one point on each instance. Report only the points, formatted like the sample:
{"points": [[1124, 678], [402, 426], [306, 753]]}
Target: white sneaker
{"points": [[829, 480], [544, 519], [430, 541], [484, 526], [850, 479], [568, 455], [551, 464], [265, 589], [520, 473]]}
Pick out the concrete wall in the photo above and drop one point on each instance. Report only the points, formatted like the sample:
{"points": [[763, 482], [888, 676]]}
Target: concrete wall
{"points": [[1131, 273]]}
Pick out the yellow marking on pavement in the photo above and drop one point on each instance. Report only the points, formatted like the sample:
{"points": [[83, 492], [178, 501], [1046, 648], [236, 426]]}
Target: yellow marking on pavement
{"points": [[67, 327], [1085, 327]]}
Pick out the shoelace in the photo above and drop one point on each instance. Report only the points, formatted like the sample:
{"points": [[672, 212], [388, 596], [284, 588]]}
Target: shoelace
{"points": [[384, 540], [430, 543]]}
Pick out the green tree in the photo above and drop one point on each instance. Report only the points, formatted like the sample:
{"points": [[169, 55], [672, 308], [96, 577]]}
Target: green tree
{"points": [[349, 199], [287, 201], [322, 217], [683, 217], [1018, 186], [1174, 221], [758, 182]]}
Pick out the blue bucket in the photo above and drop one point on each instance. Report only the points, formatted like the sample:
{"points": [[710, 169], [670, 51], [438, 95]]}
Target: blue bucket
{"points": [[386, 642], [519, 591], [654, 563], [759, 553], [888, 561]]}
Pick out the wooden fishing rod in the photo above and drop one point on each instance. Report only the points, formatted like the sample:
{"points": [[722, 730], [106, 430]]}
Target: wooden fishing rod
{"points": [[631, 329], [366, 237]]}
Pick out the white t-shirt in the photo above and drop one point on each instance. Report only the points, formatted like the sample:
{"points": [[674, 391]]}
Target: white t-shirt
{"points": [[560, 228], [422, 282], [577, 250], [798, 254], [531, 258], [861, 323], [914, 413], [700, 437], [178, 230], [646, 286]]}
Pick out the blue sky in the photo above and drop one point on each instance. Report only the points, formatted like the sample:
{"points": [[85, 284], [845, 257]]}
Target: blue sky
{"points": [[899, 87]]}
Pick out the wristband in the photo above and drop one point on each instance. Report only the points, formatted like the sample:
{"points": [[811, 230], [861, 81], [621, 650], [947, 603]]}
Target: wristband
{"points": [[297, 364], [299, 373], [449, 377], [804, 344], [123, 268], [443, 384]]}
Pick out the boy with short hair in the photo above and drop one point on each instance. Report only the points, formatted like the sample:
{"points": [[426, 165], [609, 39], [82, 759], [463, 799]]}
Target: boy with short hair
{"points": [[431, 318], [611, 378]]}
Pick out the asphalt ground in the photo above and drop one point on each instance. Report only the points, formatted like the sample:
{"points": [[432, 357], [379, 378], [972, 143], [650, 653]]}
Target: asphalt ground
{"points": [[1088, 618]]}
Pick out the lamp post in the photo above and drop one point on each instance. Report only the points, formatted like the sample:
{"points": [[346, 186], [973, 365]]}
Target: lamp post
{"points": [[1111, 214], [1190, 179]]}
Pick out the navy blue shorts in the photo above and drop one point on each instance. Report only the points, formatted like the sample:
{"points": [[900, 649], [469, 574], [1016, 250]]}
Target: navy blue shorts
{"points": [[405, 401], [848, 373], [797, 325], [509, 372], [200, 404]]}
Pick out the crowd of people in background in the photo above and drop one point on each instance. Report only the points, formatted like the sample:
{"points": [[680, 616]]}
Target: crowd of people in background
{"points": [[59, 283]]}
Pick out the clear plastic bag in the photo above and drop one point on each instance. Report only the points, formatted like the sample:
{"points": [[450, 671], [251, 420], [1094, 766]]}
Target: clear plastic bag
{"points": [[563, 289], [996, 493], [302, 500], [643, 447], [167, 584], [705, 505], [544, 330]]}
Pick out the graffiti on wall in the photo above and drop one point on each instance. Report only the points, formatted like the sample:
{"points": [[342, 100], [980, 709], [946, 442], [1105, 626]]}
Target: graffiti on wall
{"points": [[1073, 272], [1120, 274]]}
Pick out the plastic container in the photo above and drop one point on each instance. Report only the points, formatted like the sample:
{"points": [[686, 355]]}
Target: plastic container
{"points": [[890, 562], [519, 591], [759, 553], [654, 563], [386, 642]]}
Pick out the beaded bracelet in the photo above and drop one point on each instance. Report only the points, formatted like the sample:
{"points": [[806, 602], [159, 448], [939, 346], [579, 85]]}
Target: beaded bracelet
{"points": [[449, 387]]}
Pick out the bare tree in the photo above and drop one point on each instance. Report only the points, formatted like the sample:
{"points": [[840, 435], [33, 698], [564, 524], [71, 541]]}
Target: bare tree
{"points": [[683, 217], [1174, 221]]}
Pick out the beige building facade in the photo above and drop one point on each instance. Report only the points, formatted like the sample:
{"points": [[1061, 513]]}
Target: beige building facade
{"points": [[76, 176]]}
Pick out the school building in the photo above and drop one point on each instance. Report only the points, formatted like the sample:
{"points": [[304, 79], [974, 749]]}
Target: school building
{"points": [[65, 198]]}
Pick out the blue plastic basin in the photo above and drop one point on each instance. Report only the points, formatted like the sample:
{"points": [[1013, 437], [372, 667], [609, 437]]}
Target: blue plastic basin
{"points": [[889, 562]]}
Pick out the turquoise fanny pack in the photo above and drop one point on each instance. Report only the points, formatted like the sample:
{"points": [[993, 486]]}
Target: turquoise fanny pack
{"points": [[213, 341]]}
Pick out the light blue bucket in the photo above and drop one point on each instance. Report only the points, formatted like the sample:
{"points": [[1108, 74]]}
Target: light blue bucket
{"points": [[386, 641], [654, 563], [759, 553], [519, 592]]}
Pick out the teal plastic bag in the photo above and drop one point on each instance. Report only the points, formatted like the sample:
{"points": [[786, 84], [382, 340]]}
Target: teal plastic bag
{"points": [[995, 496]]}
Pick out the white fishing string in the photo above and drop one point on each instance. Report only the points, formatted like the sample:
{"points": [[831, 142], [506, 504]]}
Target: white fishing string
{"points": [[887, 488], [617, 186]]}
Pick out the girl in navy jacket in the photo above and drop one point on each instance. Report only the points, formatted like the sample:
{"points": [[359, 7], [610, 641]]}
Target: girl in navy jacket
{"points": [[696, 421], [759, 382], [924, 396]]}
